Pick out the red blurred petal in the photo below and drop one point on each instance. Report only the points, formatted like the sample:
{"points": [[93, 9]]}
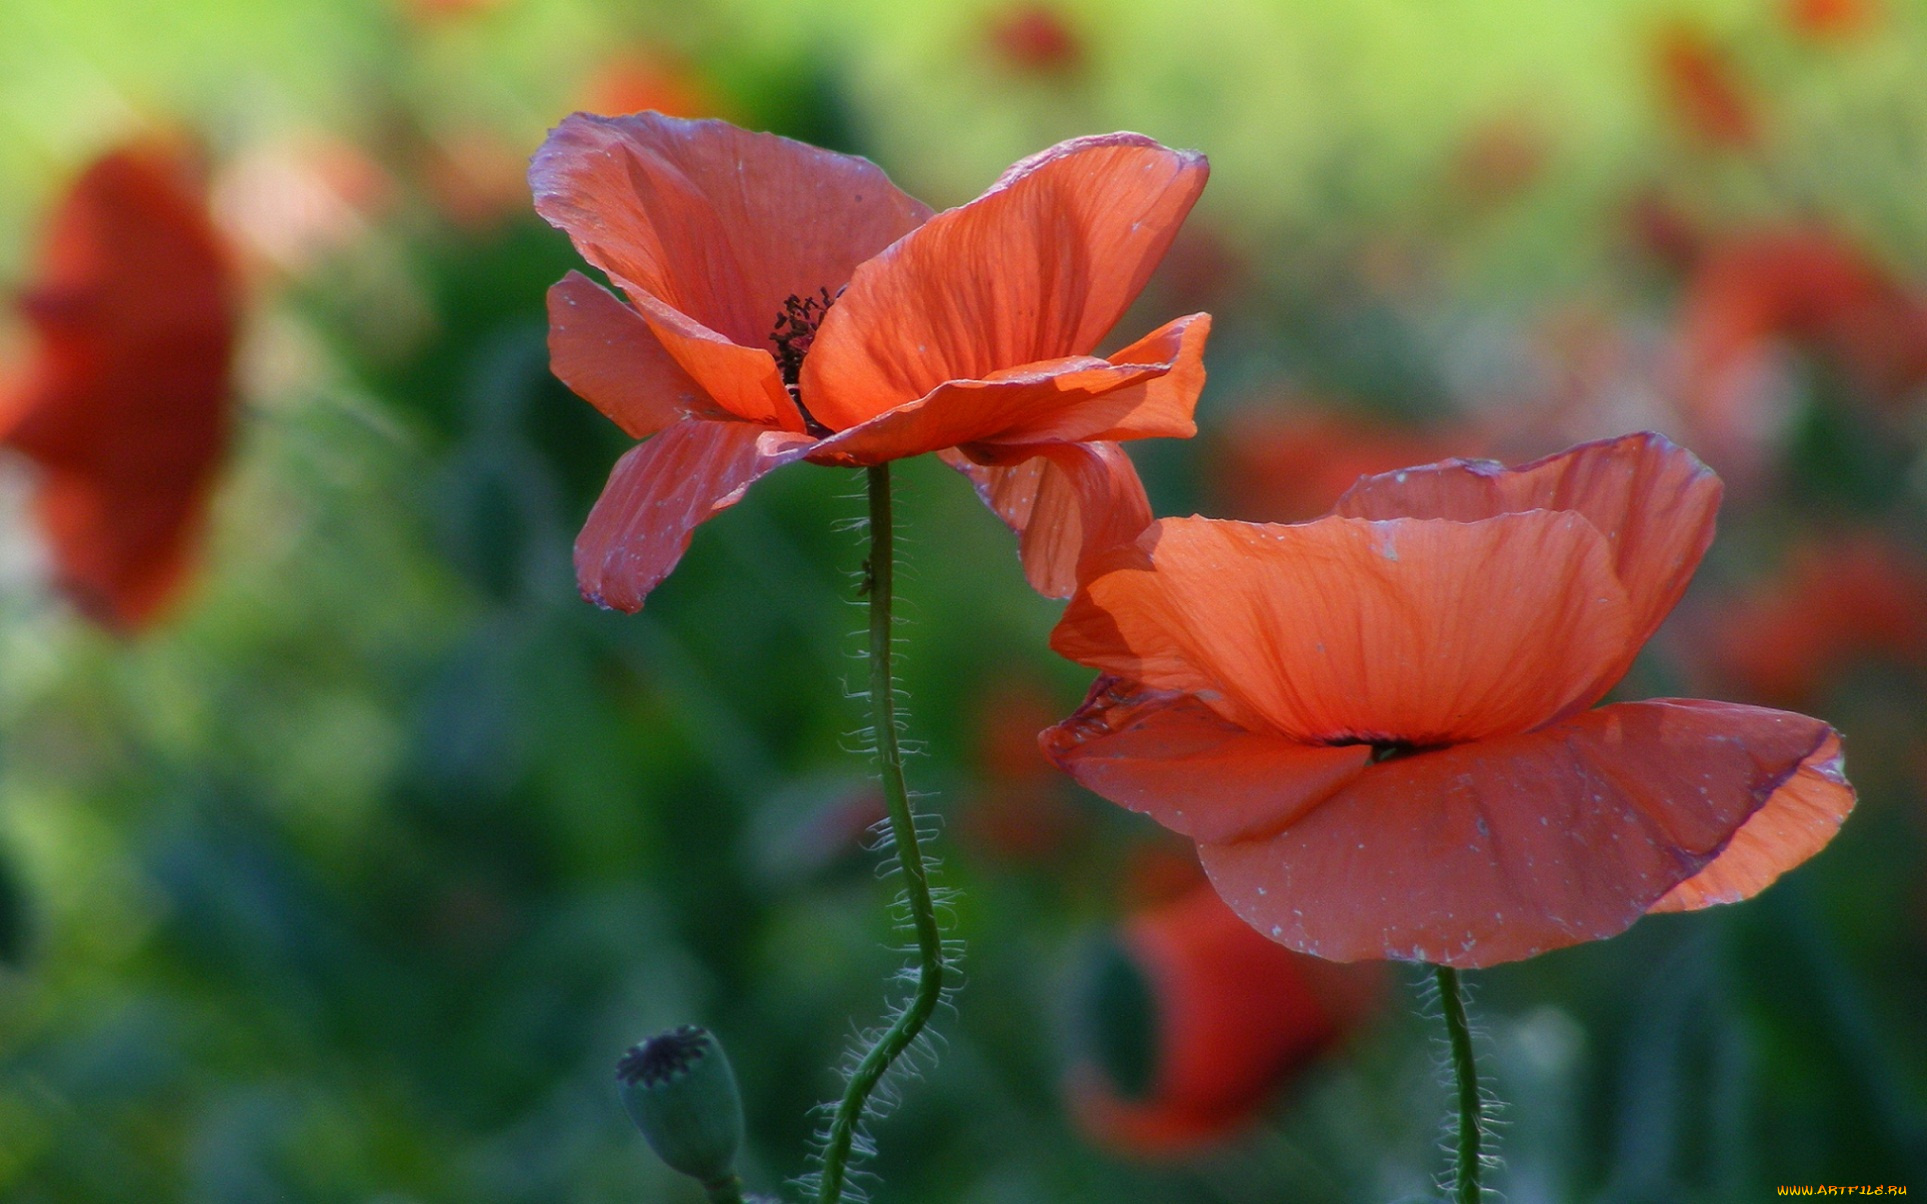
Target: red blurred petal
{"points": [[1792, 825], [710, 229], [1148, 390], [1237, 1016], [1418, 631], [1502, 849], [1169, 756], [1039, 268], [659, 492], [1652, 500], [126, 403], [1067, 503], [607, 354]]}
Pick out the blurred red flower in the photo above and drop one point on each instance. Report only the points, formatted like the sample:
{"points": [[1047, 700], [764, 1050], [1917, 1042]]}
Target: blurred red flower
{"points": [[125, 406], [1037, 39], [1199, 1021], [1750, 296], [788, 303], [642, 78], [1839, 600], [1375, 724], [1285, 463], [1018, 810], [1830, 18], [1703, 88]]}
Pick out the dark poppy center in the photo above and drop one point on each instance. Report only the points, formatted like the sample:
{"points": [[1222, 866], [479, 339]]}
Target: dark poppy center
{"points": [[1385, 750], [664, 1056], [795, 331]]}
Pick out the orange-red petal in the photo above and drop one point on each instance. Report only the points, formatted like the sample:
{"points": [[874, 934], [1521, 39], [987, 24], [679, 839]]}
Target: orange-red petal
{"points": [[606, 353], [1502, 849], [1411, 631], [1067, 504], [1792, 825], [710, 229], [1169, 756], [1148, 390], [1039, 268], [658, 493], [1652, 500], [126, 402]]}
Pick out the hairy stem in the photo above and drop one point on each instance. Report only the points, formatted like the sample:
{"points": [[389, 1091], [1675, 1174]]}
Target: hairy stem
{"points": [[1465, 1178], [878, 585]]}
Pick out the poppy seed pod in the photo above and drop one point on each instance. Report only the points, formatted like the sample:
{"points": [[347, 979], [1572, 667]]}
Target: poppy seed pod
{"points": [[681, 1092]]}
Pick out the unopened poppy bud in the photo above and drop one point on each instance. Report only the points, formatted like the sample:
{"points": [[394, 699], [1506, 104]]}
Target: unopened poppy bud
{"points": [[681, 1093]]}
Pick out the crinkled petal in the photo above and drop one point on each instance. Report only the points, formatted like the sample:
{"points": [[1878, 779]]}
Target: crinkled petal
{"points": [[1067, 504], [1652, 500], [1070, 400], [1039, 268], [1796, 822], [1414, 631], [1502, 849], [1170, 757], [606, 353], [710, 229], [658, 493]]}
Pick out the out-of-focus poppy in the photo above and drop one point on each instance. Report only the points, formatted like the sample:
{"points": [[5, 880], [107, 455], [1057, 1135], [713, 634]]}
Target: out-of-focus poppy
{"points": [[1018, 810], [1703, 88], [1284, 463], [1036, 39], [788, 303], [641, 79], [1192, 1022], [125, 406], [1501, 158], [1750, 296], [1830, 18], [1375, 725], [1839, 600]]}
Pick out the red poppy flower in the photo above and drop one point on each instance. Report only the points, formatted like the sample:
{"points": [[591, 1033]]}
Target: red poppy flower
{"points": [[788, 303], [1704, 88], [1289, 463], [1375, 725], [1842, 600], [1036, 39], [1198, 1021], [1810, 287], [1831, 18], [125, 406]]}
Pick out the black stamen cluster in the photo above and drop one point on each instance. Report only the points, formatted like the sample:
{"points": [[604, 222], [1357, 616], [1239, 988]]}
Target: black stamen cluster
{"points": [[796, 330], [664, 1056]]}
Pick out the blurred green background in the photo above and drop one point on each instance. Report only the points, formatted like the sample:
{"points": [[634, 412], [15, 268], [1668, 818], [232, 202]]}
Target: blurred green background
{"points": [[351, 880]]}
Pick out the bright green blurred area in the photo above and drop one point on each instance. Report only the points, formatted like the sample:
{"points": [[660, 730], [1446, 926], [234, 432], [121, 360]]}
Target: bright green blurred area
{"points": [[351, 881]]}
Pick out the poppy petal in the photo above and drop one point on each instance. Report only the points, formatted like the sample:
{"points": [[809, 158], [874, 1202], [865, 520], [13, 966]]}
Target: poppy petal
{"points": [[1169, 756], [121, 551], [710, 229], [606, 353], [658, 493], [1652, 500], [1796, 822], [1063, 401], [1067, 503], [1413, 631], [1502, 849], [718, 223], [1038, 268]]}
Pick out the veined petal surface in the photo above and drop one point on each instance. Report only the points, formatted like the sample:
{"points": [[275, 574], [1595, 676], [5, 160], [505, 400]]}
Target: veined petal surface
{"points": [[1067, 503], [658, 494], [1415, 632], [1503, 849], [1039, 268], [607, 354], [1652, 500]]}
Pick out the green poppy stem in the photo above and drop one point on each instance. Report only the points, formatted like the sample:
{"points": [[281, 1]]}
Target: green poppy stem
{"points": [[1465, 1177], [931, 968]]}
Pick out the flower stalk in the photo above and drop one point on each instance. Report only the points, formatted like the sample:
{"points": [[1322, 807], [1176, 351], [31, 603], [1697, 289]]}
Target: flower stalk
{"points": [[1467, 1162], [878, 588]]}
